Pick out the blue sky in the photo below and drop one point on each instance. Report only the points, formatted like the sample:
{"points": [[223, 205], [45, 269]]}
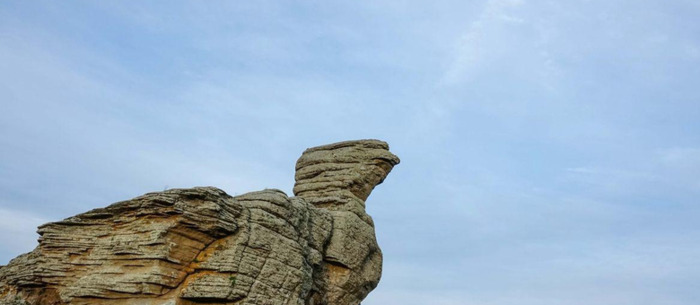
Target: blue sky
{"points": [[550, 149]]}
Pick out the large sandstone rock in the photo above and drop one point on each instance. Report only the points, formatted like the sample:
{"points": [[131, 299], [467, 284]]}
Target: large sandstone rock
{"points": [[202, 246]]}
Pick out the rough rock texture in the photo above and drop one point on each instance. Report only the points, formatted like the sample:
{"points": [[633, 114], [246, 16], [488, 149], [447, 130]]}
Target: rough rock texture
{"points": [[202, 246]]}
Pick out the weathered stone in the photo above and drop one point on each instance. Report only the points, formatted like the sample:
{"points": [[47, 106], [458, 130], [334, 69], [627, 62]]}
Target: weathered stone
{"points": [[202, 246]]}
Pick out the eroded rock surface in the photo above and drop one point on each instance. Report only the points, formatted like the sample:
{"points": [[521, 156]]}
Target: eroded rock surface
{"points": [[202, 246]]}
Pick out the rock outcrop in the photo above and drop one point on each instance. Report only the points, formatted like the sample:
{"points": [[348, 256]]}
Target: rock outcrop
{"points": [[202, 246]]}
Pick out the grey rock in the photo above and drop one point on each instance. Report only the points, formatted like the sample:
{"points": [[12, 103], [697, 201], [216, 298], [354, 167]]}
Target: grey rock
{"points": [[203, 246]]}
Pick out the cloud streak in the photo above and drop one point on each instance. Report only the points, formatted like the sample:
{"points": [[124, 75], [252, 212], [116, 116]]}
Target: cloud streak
{"points": [[548, 148]]}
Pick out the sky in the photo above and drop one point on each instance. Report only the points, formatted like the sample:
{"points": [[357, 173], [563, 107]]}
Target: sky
{"points": [[550, 149]]}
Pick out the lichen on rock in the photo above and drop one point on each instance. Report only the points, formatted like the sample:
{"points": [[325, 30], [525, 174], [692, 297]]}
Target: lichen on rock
{"points": [[203, 246]]}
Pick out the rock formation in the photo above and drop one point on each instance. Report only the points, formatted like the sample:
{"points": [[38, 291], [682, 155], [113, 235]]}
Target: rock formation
{"points": [[202, 246]]}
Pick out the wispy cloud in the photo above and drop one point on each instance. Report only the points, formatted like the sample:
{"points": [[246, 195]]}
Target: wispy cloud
{"points": [[475, 47], [548, 148]]}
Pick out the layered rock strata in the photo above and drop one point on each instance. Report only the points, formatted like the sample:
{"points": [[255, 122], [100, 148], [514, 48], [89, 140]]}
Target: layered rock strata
{"points": [[202, 246]]}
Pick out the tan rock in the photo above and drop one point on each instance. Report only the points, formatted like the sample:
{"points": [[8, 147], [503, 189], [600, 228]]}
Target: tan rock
{"points": [[202, 246]]}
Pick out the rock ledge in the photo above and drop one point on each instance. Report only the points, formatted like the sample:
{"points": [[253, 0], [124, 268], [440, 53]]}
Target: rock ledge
{"points": [[203, 246]]}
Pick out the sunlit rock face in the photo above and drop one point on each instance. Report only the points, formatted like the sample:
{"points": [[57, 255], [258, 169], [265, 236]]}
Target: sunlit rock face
{"points": [[203, 246]]}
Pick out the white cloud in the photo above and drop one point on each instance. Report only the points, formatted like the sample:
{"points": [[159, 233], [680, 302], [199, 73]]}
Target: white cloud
{"points": [[473, 45], [18, 232], [612, 173], [682, 165], [681, 156], [513, 189]]}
